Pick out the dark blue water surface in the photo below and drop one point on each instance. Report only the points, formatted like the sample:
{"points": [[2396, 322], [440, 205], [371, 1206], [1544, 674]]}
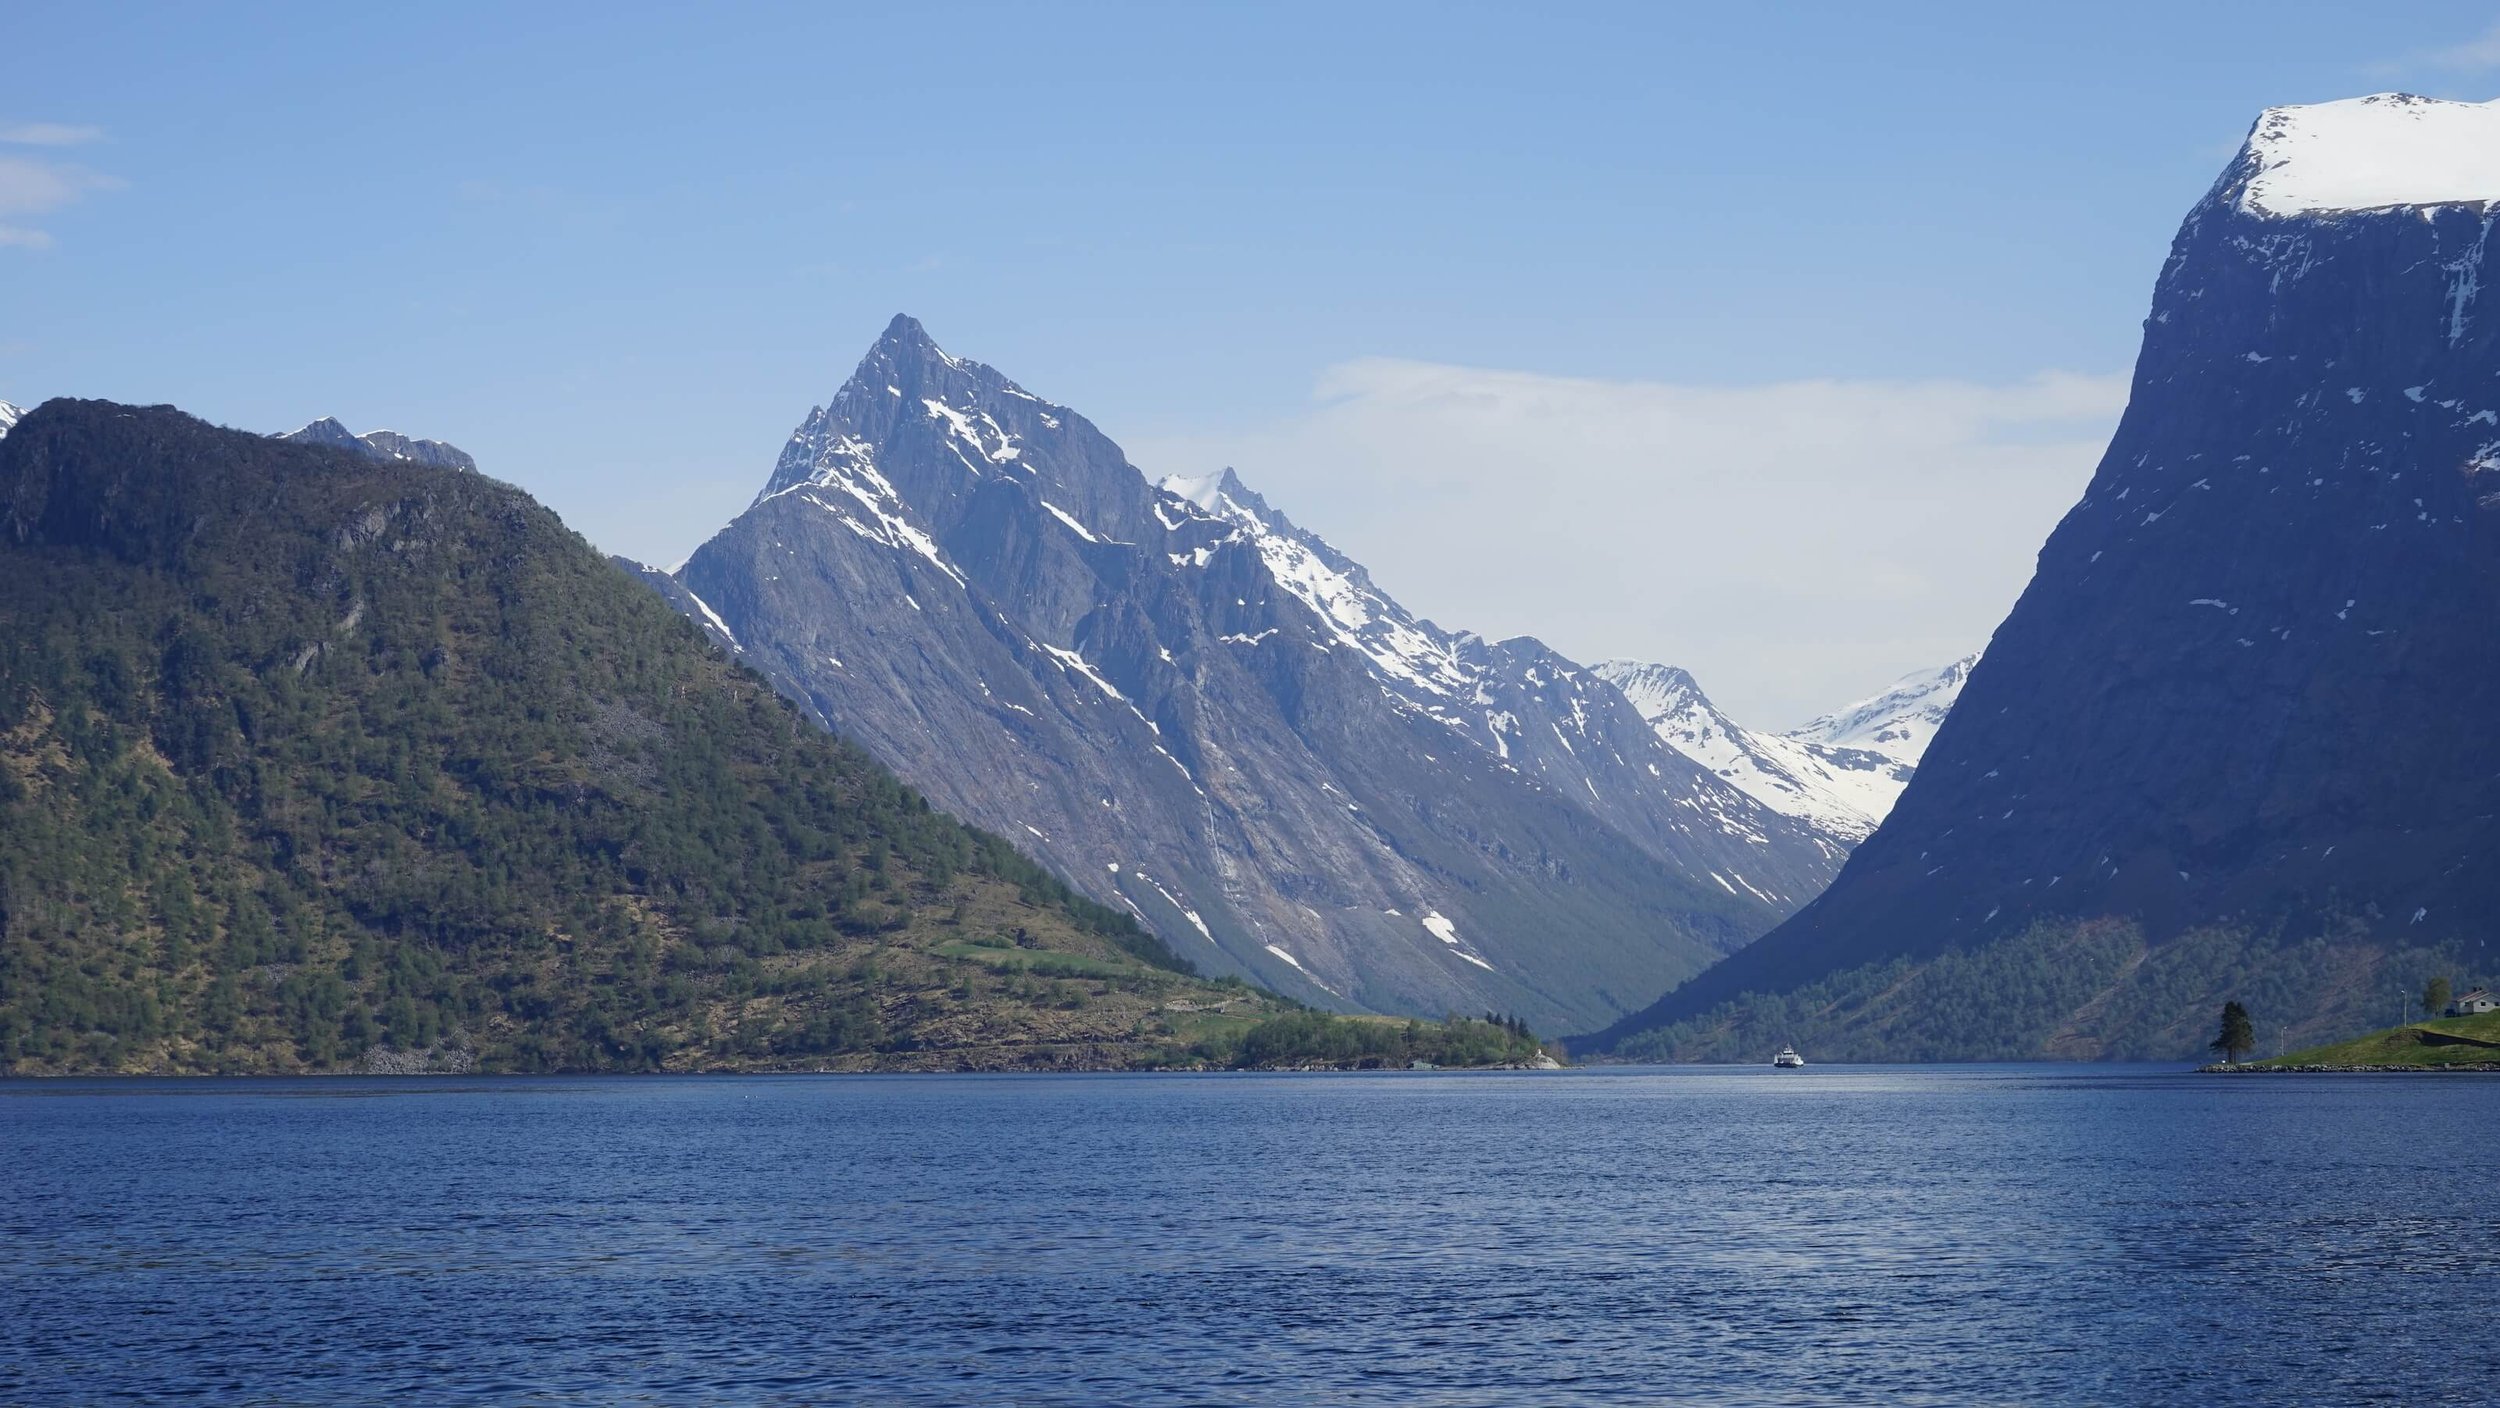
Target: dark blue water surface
{"points": [[1950, 1235]]}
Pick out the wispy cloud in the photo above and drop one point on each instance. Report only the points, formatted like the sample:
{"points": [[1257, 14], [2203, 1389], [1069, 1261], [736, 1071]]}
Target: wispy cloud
{"points": [[33, 186], [1795, 544], [49, 134], [2480, 54]]}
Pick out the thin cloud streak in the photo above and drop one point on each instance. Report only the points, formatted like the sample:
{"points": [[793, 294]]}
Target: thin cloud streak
{"points": [[49, 134], [1795, 544]]}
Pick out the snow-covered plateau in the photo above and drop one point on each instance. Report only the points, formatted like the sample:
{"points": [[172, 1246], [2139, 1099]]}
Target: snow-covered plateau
{"points": [[2388, 149]]}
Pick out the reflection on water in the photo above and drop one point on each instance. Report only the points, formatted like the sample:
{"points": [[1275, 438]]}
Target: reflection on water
{"points": [[1950, 1235]]}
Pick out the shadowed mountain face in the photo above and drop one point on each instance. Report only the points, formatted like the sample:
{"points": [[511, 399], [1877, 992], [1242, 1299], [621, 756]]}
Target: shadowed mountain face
{"points": [[1190, 706], [2251, 687]]}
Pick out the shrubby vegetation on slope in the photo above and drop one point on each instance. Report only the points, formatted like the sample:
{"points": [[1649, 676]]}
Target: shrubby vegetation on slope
{"points": [[2057, 991], [308, 760], [1293, 1039]]}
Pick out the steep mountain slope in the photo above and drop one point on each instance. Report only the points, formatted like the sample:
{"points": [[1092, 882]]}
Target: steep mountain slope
{"points": [[1192, 707], [314, 758], [1843, 791], [2236, 733], [9, 417]]}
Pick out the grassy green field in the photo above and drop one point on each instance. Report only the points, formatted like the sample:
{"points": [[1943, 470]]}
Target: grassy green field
{"points": [[2445, 1041]]}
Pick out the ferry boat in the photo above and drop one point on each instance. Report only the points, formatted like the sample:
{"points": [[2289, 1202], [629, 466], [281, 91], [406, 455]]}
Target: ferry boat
{"points": [[1788, 1059]]}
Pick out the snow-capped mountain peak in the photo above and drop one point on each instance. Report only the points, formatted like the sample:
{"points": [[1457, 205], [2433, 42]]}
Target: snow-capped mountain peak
{"points": [[1655, 690], [1195, 709], [10, 416], [2388, 149], [1204, 490], [1899, 722], [1845, 791]]}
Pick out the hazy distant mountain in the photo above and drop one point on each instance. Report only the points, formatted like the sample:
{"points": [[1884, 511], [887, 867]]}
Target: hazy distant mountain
{"points": [[381, 444], [2235, 740], [1844, 791], [1193, 707], [1899, 722]]}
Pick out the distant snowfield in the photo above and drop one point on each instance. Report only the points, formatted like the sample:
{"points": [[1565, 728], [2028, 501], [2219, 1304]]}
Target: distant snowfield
{"points": [[1898, 722], [1842, 772], [2370, 153]]}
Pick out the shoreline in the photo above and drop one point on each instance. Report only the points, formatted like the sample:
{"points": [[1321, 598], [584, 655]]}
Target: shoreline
{"points": [[2458, 1068], [1513, 1067]]}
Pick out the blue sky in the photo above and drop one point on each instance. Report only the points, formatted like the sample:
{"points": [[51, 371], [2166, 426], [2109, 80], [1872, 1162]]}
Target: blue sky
{"points": [[617, 252]]}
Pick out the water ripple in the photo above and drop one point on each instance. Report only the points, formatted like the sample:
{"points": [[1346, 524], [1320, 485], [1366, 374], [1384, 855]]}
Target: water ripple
{"points": [[1950, 1236]]}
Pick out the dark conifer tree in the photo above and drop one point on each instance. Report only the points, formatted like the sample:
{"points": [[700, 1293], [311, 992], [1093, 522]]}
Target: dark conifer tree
{"points": [[2238, 1034]]}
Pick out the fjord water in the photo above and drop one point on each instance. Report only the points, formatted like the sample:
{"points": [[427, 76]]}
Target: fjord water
{"points": [[1938, 1234]]}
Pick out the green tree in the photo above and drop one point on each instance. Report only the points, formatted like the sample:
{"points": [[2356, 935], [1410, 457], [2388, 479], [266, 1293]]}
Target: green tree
{"points": [[2238, 1033], [2435, 995]]}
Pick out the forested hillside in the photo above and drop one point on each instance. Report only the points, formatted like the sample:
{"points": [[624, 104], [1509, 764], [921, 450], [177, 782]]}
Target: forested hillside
{"points": [[2094, 991], [309, 761]]}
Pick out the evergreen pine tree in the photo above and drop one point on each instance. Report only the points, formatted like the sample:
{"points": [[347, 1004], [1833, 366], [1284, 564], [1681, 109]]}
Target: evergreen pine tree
{"points": [[2238, 1033]]}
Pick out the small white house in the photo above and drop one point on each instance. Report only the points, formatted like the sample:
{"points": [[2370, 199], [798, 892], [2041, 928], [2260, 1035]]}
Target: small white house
{"points": [[2473, 1004]]}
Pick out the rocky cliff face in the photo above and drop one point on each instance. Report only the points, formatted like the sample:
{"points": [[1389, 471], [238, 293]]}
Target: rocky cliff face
{"points": [[1191, 706], [2251, 685]]}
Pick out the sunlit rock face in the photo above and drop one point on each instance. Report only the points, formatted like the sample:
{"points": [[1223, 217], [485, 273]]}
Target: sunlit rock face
{"points": [[1189, 705]]}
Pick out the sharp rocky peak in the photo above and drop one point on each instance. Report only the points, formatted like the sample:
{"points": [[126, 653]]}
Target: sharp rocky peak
{"points": [[1211, 491], [910, 405], [905, 346]]}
